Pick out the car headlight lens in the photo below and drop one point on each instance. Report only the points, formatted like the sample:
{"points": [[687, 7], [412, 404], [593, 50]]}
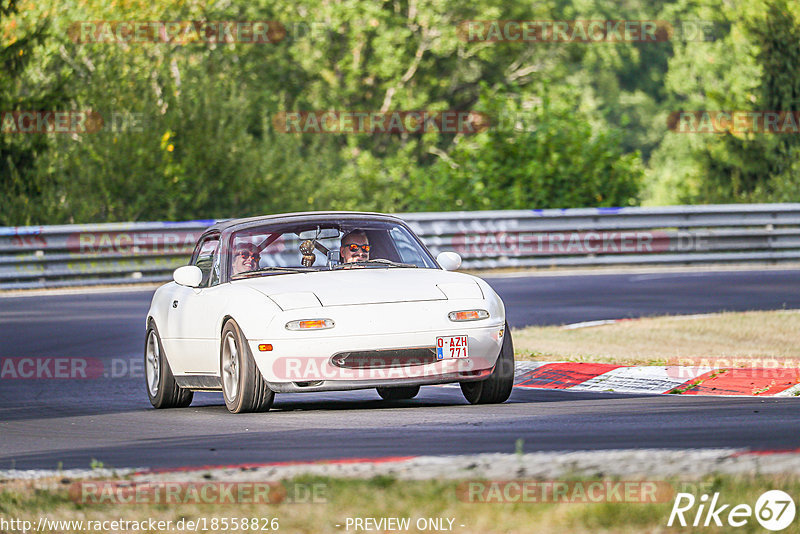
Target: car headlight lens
{"points": [[468, 315], [310, 324]]}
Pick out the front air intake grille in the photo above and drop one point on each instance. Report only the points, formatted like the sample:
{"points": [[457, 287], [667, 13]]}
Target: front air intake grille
{"points": [[379, 359]]}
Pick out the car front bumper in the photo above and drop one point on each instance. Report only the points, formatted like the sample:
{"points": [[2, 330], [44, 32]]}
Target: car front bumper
{"points": [[307, 364]]}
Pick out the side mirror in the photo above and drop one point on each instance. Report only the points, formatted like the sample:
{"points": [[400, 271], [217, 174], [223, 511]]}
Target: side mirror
{"points": [[188, 275], [450, 261]]}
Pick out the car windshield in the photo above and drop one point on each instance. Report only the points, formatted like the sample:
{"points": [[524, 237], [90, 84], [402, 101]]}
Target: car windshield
{"points": [[272, 248]]}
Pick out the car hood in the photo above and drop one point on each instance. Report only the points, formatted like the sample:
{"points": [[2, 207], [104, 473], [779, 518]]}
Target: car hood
{"points": [[363, 286]]}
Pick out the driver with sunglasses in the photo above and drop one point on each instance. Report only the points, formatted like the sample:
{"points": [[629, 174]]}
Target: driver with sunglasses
{"points": [[355, 247], [245, 258]]}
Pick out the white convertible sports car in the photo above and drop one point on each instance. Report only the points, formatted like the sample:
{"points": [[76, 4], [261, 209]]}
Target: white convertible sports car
{"points": [[321, 302]]}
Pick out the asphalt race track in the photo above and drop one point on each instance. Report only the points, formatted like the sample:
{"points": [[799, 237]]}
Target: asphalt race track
{"points": [[71, 422]]}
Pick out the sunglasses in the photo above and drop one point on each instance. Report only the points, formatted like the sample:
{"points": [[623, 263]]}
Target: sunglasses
{"points": [[354, 247], [246, 255]]}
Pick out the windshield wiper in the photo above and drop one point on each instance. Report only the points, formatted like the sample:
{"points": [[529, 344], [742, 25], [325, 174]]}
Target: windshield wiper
{"points": [[378, 262], [277, 270]]}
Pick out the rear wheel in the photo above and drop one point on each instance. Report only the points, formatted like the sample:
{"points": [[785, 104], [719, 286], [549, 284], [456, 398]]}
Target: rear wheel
{"points": [[497, 387], [401, 393], [243, 387], [162, 389]]}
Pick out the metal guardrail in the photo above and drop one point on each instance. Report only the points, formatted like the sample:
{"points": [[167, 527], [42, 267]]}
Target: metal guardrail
{"points": [[71, 255]]}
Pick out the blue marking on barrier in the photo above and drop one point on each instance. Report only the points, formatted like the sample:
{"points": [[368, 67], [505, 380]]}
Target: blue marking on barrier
{"points": [[549, 210], [609, 210], [20, 230], [208, 222]]}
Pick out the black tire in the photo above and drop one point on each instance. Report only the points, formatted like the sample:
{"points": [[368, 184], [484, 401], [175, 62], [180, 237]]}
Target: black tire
{"points": [[162, 390], [250, 392], [496, 388], [401, 393]]}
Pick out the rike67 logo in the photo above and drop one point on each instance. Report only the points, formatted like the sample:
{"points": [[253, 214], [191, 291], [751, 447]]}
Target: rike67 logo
{"points": [[774, 510]]}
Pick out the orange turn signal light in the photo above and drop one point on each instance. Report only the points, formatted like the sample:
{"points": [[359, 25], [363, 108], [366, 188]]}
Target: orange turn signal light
{"points": [[468, 315], [265, 347], [310, 324]]}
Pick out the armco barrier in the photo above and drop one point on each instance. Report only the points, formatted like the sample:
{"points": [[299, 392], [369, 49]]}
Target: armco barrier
{"points": [[53, 256], [90, 254]]}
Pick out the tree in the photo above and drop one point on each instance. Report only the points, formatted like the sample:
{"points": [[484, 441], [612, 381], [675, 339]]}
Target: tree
{"points": [[25, 197], [205, 144], [550, 156], [761, 167]]}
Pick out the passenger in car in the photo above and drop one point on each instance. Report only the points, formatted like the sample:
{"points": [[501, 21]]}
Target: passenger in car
{"points": [[245, 258], [355, 247]]}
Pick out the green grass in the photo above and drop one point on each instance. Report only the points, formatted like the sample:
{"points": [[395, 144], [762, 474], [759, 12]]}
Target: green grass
{"points": [[386, 496], [741, 338]]}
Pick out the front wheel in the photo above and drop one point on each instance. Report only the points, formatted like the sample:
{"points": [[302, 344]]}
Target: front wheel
{"points": [[243, 387], [162, 389], [496, 388], [401, 393]]}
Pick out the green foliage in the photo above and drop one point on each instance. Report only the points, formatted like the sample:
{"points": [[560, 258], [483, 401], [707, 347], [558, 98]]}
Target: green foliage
{"points": [[206, 146], [29, 80], [574, 124], [762, 167], [754, 68], [549, 156]]}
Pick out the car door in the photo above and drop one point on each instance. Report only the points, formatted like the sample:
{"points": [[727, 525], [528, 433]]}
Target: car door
{"points": [[195, 313]]}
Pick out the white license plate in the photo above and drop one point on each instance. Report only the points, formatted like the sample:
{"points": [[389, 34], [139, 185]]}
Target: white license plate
{"points": [[448, 347]]}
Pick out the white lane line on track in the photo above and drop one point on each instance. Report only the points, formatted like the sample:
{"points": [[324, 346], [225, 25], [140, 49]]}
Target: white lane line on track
{"points": [[640, 271], [589, 324], [28, 293], [602, 322]]}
